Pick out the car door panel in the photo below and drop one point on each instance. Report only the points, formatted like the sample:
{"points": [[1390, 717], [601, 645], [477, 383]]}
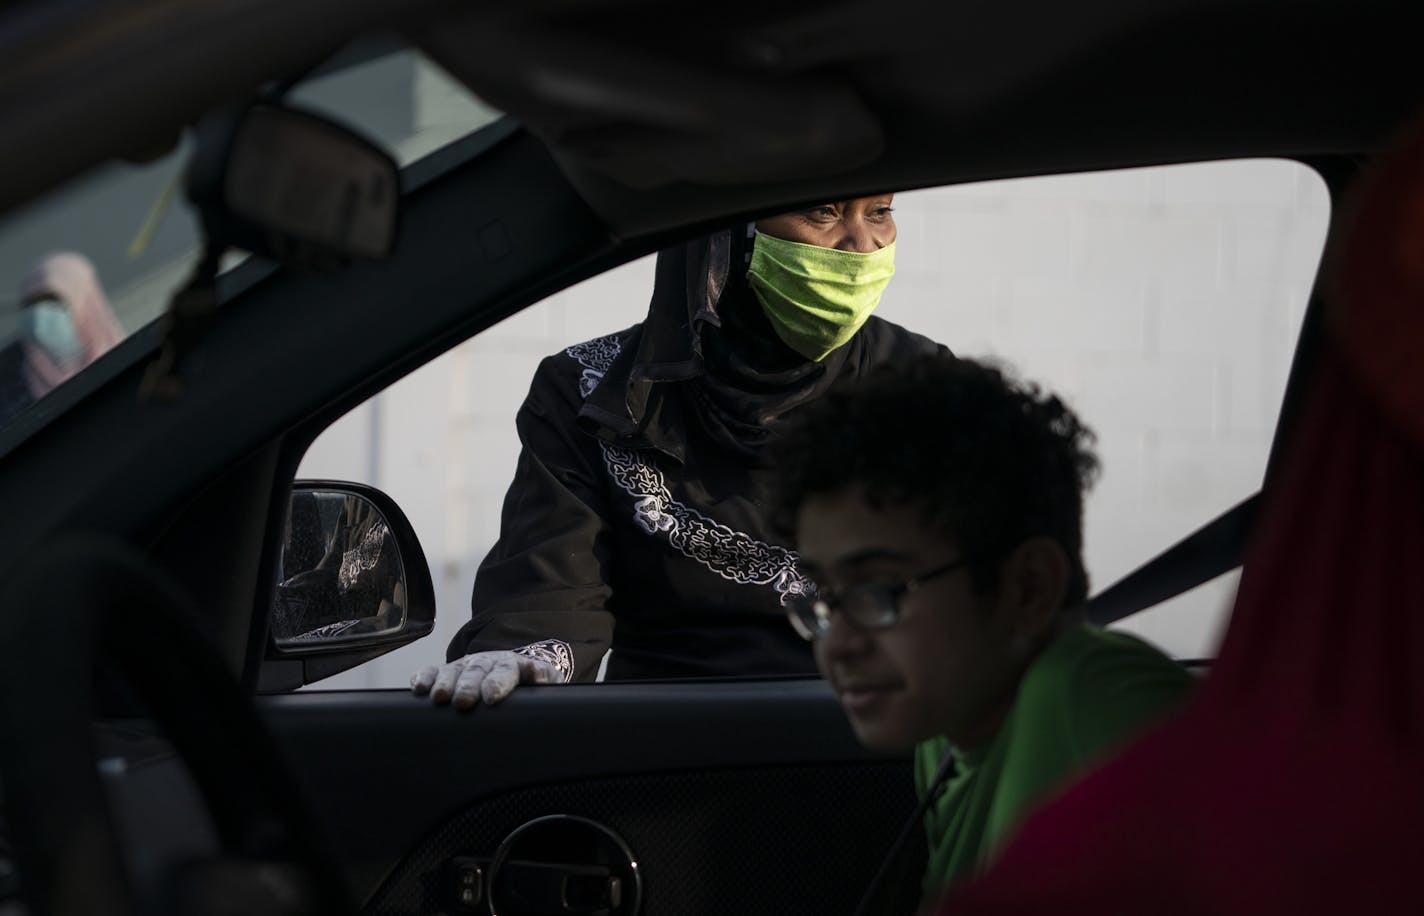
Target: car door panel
{"points": [[747, 797]]}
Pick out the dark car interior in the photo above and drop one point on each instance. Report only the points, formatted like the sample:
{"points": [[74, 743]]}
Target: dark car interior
{"points": [[145, 534]]}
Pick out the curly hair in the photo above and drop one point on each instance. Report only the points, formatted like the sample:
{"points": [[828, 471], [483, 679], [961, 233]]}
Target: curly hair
{"points": [[987, 460]]}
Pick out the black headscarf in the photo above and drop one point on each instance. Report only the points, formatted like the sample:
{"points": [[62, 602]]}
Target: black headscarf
{"points": [[707, 337]]}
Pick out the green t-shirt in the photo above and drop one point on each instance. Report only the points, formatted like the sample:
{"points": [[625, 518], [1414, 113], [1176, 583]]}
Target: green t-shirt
{"points": [[1088, 692]]}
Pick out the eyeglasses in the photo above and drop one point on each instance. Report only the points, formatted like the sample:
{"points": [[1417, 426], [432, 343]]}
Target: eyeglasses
{"points": [[870, 606]]}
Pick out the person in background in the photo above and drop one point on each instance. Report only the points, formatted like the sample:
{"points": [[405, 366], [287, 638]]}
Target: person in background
{"points": [[937, 507], [636, 539], [64, 323]]}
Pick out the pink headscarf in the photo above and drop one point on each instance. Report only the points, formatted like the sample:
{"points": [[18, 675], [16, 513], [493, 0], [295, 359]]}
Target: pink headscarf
{"points": [[70, 279]]}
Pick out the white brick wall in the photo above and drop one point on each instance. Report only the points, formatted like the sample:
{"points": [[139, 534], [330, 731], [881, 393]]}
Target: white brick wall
{"points": [[1162, 303]]}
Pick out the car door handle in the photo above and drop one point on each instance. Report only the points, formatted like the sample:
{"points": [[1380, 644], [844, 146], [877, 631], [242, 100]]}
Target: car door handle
{"points": [[558, 889]]}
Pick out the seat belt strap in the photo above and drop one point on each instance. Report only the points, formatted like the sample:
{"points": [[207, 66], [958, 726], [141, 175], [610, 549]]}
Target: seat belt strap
{"points": [[1215, 548]]}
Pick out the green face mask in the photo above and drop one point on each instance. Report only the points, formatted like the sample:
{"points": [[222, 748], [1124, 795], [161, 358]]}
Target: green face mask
{"points": [[817, 298]]}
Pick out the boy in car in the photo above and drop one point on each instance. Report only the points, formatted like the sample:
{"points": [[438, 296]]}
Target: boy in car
{"points": [[937, 506]]}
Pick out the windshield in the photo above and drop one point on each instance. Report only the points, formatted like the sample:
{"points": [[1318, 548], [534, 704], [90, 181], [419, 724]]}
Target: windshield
{"points": [[90, 263]]}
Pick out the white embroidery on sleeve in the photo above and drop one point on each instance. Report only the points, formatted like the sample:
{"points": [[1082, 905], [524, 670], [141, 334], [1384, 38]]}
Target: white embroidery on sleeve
{"points": [[554, 651]]}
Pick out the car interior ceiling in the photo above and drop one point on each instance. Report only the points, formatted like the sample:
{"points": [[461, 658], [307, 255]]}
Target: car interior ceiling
{"points": [[982, 114], [949, 115]]}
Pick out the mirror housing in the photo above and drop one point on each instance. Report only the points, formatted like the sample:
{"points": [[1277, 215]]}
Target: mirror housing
{"points": [[352, 584], [294, 186]]}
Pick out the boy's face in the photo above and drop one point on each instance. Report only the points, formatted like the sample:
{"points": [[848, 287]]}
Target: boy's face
{"points": [[948, 666]]}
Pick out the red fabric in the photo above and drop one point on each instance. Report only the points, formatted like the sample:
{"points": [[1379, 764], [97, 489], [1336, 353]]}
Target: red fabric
{"points": [[1293, 783]]}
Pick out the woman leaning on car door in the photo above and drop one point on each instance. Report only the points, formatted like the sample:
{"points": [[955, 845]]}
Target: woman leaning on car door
{"points": [[636, 538]]}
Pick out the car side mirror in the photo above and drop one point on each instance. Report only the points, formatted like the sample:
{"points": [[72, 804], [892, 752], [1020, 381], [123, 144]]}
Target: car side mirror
{"points": [[352, 584]]}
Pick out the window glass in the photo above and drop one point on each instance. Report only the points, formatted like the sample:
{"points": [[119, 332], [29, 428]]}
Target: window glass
{"points": [[401, 99], [126, 238], [1162, 303]]}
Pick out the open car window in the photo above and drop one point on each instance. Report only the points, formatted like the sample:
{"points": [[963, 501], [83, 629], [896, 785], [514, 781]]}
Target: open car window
{"points": [[84, 268], [1163, 303]]}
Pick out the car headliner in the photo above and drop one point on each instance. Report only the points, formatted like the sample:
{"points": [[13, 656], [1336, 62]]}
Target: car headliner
{"points": [[714, 109]]}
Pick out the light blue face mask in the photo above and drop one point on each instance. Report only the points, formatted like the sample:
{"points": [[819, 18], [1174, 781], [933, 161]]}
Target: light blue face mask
{"points": [[47, 323]]}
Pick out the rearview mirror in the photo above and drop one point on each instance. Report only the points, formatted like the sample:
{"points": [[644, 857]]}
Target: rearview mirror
{"points": [[294, 186]]}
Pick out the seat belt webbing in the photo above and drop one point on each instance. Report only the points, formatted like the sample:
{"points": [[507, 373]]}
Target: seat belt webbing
{"points": [[1215, 548]]}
